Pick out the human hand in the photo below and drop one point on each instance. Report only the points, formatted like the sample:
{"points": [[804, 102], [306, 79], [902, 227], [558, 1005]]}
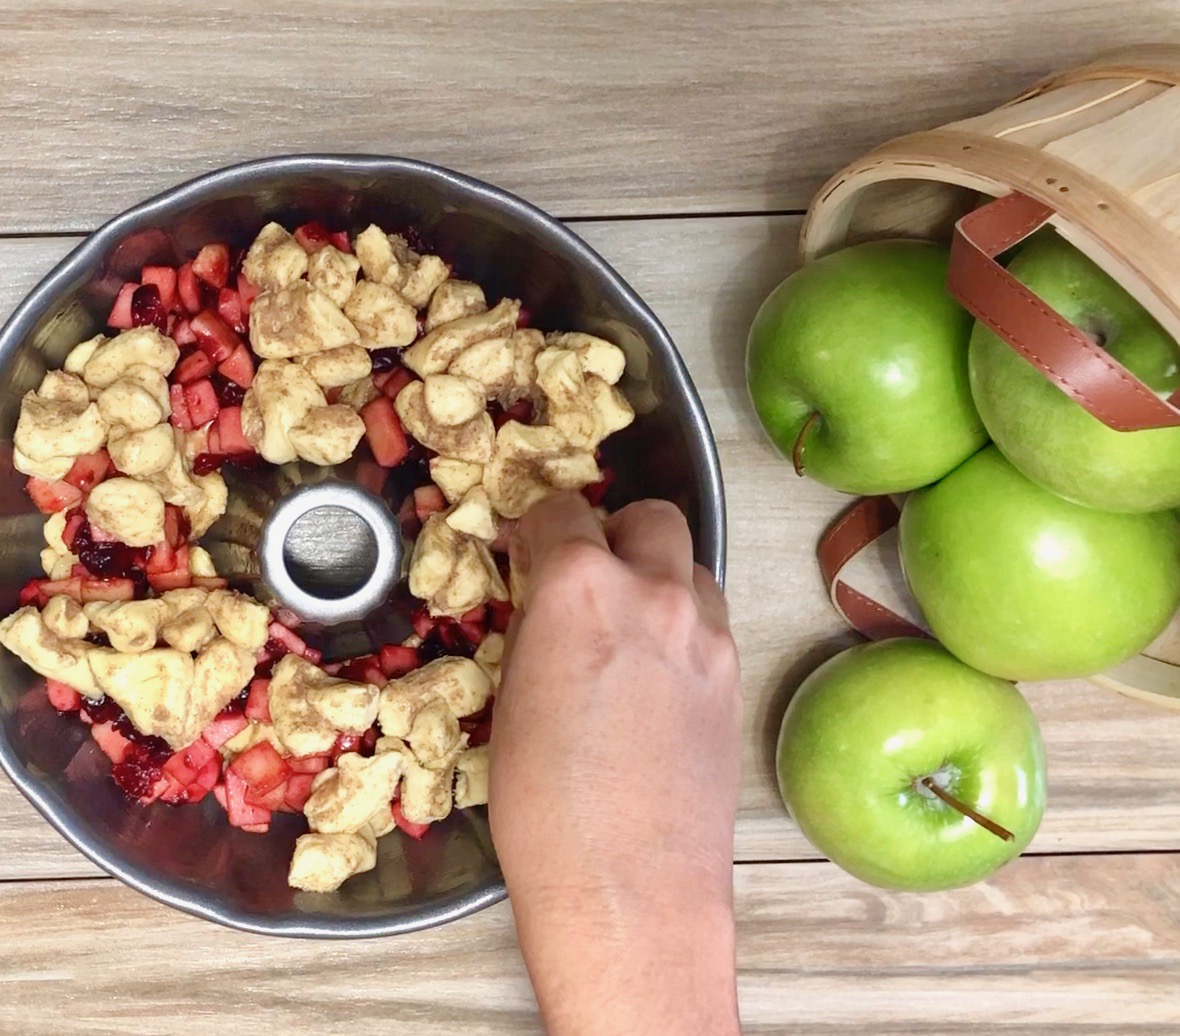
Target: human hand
{"points": [[614, 772]]}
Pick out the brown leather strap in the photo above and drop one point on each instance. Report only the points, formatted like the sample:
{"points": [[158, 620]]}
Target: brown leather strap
{"points": [[1067, 357], [866, 520]]}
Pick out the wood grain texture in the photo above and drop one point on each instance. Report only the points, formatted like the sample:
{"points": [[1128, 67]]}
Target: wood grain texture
{"points": [[1114, 769], [1046, 947], [600, 107]]}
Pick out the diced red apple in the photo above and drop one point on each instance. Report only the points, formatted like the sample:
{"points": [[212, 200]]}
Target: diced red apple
{"points": [[428, 500], [311, 236], [214, 335], [180, 418], [229, 431], [161, 559], [298, 790], [499, 615], [240, 813], [339, 239], [187, 764], [407, 518], [258, 702], [120, 315], [212, 264], [384, 430], [188, 288], [415, 831], [201, 399], [239, 367], [182, 332], [114, 589], [308, 765], [100, 535], [210, 582], [597, 490], [62, 696], [261, 768], [357, 668], [293, 643], [73, 587], [223, 728], [397, 660], [195, 366], [174, 792], [177, 578], [371, 475], [247, 293], [210, 773], [275, 799], [113, 744], [174, 522], [51, 497], [89, 469], [392, 382], [423, 622], [229, 306], [164, 279], [74, 521]]}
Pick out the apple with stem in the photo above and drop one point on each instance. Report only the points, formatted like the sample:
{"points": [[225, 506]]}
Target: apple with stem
{"points": [[857, 368], [1045, 433], [1023, 584], [909, 769]]}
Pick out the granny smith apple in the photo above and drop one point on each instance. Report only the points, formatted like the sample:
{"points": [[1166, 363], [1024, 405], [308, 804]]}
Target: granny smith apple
{"points": [[1044, 432], [1023, 584], [857, 367], [874, 734]]}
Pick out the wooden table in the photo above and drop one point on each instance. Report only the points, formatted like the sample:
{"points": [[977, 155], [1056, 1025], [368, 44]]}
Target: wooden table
{"points": [[684, 138]]}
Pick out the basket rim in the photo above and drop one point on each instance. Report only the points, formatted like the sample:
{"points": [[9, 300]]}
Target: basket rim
{"points": [[1148, 62], [1082, 212]]}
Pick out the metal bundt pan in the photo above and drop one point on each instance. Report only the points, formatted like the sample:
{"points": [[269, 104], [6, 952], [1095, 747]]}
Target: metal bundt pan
{"points": [[189, 857]]}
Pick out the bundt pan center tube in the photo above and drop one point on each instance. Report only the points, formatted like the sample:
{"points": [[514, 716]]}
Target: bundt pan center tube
{"points": [[314, 541]]}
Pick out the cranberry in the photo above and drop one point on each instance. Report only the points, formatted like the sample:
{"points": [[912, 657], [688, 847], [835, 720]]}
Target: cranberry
{"points": [[99, 638], [385, 359], [110, 560], [147, 308], [206, 463], [154, 750], [229, 393], [478, 727], [521, 412], [101, 710], [246, 461], [135, 776]]}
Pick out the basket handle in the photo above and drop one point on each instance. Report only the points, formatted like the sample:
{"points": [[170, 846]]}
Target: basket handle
{"points": [[862, 523], [1070, 359]]}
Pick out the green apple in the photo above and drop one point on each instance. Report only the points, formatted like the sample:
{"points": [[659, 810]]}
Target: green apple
{"points": [[1047, 435], [857, 368], [1022, 584], [865, 733]]}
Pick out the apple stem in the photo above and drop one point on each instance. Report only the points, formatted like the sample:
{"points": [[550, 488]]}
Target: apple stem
{"points": [[801, 441], [967, 811]]}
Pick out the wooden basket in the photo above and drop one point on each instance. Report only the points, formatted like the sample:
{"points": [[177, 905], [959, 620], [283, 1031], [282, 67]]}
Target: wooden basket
{"points": [[1098, 147]]}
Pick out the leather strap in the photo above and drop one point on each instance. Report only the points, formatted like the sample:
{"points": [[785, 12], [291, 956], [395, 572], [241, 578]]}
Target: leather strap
{"points": [[863, 522], [1067, 357]]}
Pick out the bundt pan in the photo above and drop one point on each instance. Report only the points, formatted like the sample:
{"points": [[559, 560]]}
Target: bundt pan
{"points": [[189, 857]]}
